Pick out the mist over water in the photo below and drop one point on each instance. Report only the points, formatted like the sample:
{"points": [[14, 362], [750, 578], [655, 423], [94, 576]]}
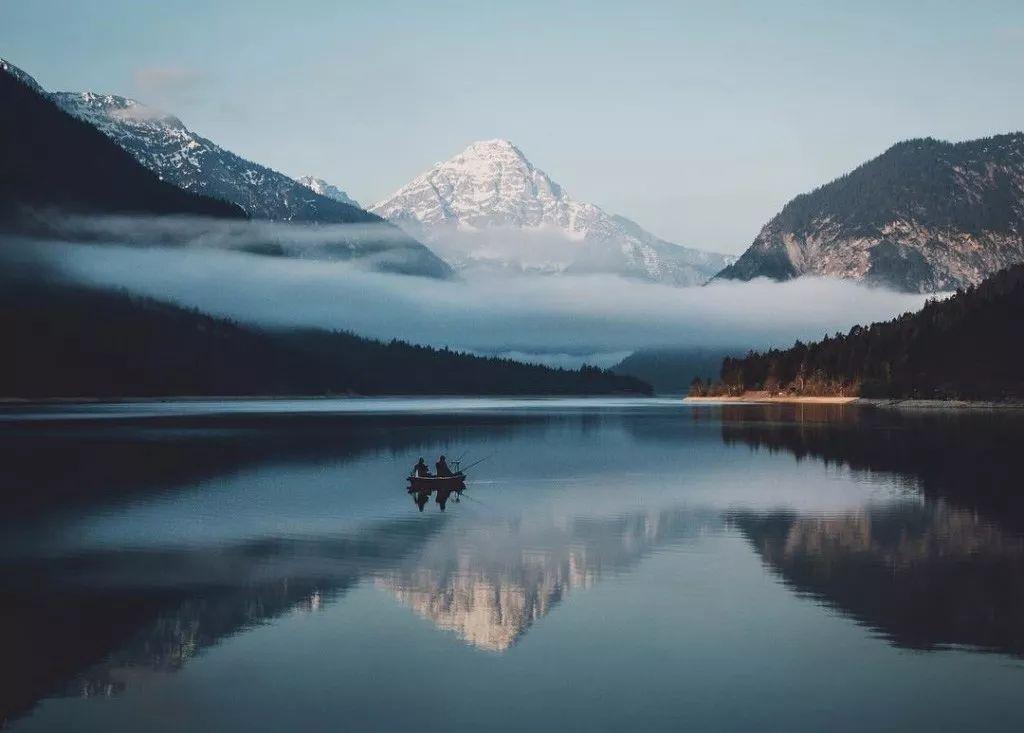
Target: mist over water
{"points": [[553, 319]]}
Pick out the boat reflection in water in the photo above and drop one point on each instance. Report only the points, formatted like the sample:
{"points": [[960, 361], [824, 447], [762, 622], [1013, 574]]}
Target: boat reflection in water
{"points": [[421, 487], [422, 496]]}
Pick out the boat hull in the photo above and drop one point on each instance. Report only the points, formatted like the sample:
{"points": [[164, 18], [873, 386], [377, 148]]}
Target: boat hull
{"points": [[432, 483]]}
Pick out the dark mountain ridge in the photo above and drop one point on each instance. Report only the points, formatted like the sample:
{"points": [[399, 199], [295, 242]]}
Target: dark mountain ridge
{"points": [[163, 144], [49, 159]]}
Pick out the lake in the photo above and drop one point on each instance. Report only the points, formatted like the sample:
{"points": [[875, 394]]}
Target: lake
{"points": [[613, 565]]}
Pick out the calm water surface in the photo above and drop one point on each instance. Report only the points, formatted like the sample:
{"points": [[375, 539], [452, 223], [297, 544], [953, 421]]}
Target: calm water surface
{"points": [[615, 565]]}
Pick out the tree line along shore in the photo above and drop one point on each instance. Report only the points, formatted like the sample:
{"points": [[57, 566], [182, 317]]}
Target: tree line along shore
{"points": [[967, 347]]}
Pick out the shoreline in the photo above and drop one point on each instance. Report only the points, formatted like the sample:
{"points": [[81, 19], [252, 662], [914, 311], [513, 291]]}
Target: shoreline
{"points": [[758, 398], [748, 398], [888, 403], [22, 401]]}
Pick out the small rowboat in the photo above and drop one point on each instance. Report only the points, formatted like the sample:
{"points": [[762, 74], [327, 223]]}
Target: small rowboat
{"points": [[432, 483]]}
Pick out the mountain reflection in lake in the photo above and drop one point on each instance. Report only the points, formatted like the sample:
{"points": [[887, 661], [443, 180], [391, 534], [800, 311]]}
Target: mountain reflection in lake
{"points": [[616, 565]]}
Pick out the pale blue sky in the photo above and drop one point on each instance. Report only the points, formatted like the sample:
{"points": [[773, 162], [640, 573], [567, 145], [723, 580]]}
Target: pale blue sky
{"points": [[699, 120]]}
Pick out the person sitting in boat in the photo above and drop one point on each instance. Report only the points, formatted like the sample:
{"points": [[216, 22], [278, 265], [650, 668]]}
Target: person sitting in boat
{"points": [[442, 467], [420, 469]]}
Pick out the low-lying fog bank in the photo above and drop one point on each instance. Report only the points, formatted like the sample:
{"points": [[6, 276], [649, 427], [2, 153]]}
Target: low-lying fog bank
{"points": [[562, 320]]}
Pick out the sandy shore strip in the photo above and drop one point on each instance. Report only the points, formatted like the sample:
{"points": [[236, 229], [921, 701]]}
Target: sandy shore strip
{"points": [[757, 398], [764, 397]]}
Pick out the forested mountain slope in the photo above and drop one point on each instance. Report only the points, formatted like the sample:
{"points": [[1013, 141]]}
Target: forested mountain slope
{"points": [[73, 341], [969, 346]]}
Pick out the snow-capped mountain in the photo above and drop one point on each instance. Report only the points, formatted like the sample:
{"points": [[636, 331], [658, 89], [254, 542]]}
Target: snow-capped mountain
{"points": [[51, 162], [489, 206], [322, 187], [162, 143]]}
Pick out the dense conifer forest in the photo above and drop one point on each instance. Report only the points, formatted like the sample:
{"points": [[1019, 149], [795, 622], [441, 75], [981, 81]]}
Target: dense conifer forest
{"points": [[73, 341], [923, 180], [970, 346]]}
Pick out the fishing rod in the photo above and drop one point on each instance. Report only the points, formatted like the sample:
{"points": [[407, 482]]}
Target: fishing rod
{"points": [[477, 463]]}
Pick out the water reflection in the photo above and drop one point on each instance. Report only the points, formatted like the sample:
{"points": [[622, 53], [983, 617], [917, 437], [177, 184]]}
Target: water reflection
{"points": [[944, 567], [925, 576], [488, 584], [113, 459], [110, 611], [76, 617], [420, 497], [158, 538], [972, 459]]}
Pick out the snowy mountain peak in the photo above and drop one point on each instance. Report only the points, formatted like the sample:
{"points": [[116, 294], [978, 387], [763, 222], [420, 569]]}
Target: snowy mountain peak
{"points": [[490, 183], [523, 220], [492, 148], [498, 143], [481, 158], [323, 188]]}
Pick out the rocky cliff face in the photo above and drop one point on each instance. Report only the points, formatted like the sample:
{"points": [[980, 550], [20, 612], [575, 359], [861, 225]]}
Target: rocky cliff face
{"points": [[924, 216], [490, 206]]}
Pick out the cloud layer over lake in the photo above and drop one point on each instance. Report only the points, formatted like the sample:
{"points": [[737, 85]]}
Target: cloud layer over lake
{"points": [[559, 318]]}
